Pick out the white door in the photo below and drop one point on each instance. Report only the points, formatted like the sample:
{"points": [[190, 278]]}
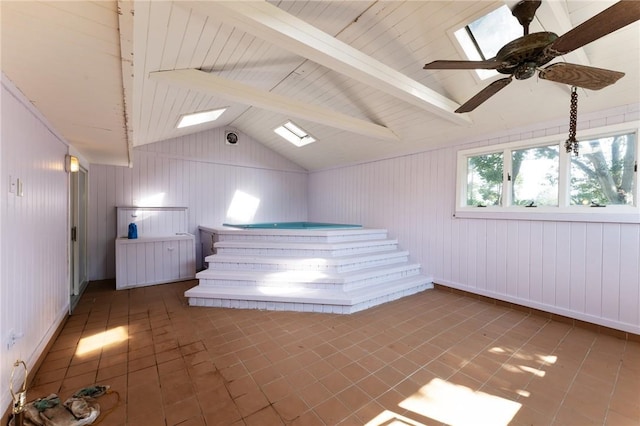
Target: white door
{"points": [[78, 234]]}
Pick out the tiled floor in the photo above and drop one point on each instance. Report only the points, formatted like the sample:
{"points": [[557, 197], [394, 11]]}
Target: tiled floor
{"points": [[431, 358]]}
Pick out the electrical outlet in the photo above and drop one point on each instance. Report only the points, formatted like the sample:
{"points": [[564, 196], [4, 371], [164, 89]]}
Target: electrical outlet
{"points": [[12, 185], [13, 338]]}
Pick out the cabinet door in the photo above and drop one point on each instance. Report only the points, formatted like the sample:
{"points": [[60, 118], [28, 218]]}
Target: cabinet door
{"points": [[187, 258], [171, 262]]}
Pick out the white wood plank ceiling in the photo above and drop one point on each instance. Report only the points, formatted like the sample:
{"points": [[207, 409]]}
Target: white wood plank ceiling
{"points": [[65, 57], [349, 72]]}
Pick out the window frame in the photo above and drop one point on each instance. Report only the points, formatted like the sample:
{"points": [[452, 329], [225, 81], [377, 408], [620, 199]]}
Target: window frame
{"points": [[564, 211], [468, 46]]}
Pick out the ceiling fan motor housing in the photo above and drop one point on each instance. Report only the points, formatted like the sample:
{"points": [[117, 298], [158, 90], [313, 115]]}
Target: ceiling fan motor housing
{"points": [[525, 70], [523, 51]]}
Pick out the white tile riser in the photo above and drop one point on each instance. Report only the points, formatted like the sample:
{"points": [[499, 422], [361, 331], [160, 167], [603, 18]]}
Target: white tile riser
{"points": [[267, 267], [304, 253], [304, 307], [209, 282], [303, 239]]}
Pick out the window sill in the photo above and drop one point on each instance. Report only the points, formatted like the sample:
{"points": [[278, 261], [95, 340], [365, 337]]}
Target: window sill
{"points": [[614, 215]]}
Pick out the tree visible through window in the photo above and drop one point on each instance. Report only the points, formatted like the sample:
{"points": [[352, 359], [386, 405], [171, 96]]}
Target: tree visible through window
{"points": [[484, 174], [536, 174], [604, 172]]}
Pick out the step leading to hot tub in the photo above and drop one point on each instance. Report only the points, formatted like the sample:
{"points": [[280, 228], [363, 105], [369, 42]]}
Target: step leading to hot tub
{"points": [[335, 271]]}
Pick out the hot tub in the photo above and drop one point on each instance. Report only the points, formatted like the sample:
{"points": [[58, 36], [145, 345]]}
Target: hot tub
{"points": [[292, 225]]}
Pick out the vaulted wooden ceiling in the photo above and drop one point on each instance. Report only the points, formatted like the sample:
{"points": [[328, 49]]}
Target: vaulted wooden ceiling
{"points": [[111, 76]]}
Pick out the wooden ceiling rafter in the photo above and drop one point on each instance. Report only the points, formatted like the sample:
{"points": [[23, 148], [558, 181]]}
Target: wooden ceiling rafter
{"points": [[204, 82], [278, 27]]}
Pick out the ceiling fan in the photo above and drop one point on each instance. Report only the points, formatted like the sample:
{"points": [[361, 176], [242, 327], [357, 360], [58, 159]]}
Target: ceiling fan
{"points": [[522, 57]]}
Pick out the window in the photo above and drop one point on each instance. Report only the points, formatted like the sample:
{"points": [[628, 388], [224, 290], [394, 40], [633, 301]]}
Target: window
{"points": [[480, 40], [200, 117], [484, 185], [604, 172], [534, 176], [538, 177], [294, 134]]}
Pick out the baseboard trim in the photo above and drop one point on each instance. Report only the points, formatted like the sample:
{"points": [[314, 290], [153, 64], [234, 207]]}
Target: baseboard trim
{"points": [[538, 312], [36, 365]]}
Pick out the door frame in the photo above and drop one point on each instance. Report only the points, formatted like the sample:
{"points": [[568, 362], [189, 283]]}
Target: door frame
{"points": [[78, 215]]}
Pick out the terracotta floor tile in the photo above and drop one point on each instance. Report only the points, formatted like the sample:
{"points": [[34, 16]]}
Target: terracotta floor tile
{"points": [[105, 373], [72, 384], [145, 376], [314, 394], [332, 411], [354, 398], [290, 408], [200, 366], [310, 418], [251, 402], [85, 367], [141, 363], [277, 389], [177, 412], [373, 386], [265, 417], [50, 376]]}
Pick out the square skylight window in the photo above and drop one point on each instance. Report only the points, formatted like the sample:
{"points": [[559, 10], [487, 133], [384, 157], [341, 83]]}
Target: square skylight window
{"points": [[482, 38], [294, 134], [200, 117]]}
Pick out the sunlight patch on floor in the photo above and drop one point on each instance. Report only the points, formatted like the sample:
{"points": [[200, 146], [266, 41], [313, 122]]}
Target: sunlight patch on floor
{"points": [[389, 418], [101, 340], [458, 405]]}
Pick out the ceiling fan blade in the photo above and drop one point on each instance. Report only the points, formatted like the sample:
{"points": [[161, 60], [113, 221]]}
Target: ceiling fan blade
{"points": [[580, 75], [609, 20], [489, 64], [484, 94]]}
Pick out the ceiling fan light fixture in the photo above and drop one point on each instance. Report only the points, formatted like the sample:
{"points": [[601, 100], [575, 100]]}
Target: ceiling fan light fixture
{"points": [[201, 117]]}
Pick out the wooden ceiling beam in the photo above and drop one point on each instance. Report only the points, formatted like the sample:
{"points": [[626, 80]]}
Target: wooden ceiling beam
{"points": [[280, 28], [234, 91]]}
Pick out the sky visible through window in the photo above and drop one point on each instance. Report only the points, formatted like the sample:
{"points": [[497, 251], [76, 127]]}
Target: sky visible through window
{"points": [[494, 30], [491, 32]]}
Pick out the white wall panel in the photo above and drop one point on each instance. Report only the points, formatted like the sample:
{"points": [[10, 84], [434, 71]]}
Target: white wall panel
{"points": [[197, 171], [34, 286], [588, 271]]}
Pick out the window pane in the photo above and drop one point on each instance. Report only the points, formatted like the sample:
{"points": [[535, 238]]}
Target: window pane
{"points": [[603, 173], [484, 30], [534, 174], [484, 180]]}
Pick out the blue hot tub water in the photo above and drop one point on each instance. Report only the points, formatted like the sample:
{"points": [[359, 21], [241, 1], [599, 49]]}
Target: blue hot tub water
{"points": [[292, 225]]}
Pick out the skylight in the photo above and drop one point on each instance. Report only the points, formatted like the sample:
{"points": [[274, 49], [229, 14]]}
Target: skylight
{"points": [[294, 134], [200, 117], [482, 38]]}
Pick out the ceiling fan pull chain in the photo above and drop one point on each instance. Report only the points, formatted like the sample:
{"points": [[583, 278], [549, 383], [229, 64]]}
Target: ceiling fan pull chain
{"points": [[572, 144]]}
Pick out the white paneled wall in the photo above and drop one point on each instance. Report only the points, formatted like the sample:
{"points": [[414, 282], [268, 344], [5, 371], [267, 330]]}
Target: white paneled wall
{"points": [[197, 171], [34, 286], [587, 271]]}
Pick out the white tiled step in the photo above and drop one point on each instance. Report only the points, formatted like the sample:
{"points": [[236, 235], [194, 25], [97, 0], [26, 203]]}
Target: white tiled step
{"points": [[297, 235], [335, 264], [307, 279], [303, 249], [307, 300]]}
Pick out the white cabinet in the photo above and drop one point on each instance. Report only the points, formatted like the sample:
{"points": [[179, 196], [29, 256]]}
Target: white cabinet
{"points": [[147, 261], [163, 251]]}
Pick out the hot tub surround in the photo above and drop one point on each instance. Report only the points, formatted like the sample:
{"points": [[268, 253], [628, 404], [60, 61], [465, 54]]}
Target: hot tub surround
{"points": [[337, 270], [292, 225]]}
